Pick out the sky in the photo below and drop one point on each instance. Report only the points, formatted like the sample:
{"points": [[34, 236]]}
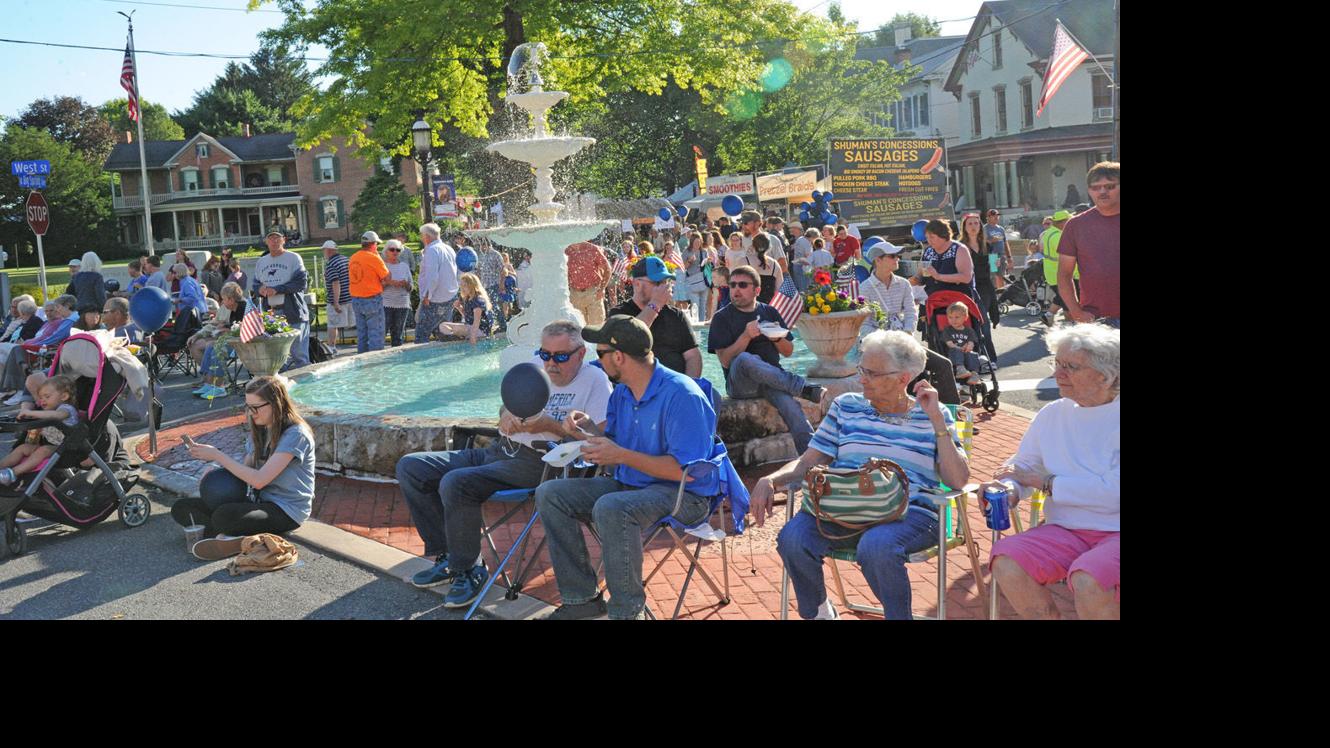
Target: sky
{"points": [[33, 72]]}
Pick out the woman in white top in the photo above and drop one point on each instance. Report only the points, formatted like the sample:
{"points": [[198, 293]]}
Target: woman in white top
{"points": [[1073, 453], [735, 254], [890, 291], [396, 291]]}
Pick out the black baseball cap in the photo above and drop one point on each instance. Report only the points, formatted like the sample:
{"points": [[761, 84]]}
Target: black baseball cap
{"points": [[622, 333]]}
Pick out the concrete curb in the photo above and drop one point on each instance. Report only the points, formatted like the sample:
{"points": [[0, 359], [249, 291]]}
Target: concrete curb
{"points": [[359, 550]]}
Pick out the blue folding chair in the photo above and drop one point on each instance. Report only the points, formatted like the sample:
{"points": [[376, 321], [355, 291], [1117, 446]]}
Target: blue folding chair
{"points": [[733, 490]]}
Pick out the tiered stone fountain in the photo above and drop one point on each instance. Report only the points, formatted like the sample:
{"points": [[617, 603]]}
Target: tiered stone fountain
{"points": [[547, 238]]}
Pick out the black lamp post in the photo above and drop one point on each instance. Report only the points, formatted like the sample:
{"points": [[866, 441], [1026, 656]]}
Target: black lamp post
{"points": [[422, 139]]}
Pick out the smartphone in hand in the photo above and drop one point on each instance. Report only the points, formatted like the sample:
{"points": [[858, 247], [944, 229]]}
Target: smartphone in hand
{"points": [[188, 440]]}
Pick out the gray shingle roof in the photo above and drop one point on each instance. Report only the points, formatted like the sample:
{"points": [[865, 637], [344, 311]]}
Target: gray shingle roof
{"points": [[156, 152], [928, 53], [1033, 21]]}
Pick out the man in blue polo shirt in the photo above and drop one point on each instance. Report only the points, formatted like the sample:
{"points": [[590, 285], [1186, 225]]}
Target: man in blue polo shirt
{"points": [[658, 420]]}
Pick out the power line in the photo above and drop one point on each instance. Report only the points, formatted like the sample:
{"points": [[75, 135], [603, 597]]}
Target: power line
{"points": [[195, 7]]}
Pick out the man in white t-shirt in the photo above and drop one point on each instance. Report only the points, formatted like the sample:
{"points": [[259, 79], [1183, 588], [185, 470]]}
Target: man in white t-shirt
{"points": [[445, 491]]}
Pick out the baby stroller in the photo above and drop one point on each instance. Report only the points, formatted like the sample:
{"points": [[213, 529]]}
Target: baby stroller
{"points": [[63, 491], [936, 315], [1029, 290]]}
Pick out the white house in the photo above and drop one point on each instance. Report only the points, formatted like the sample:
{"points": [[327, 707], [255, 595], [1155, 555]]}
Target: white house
{"points": [[1006, 157], [925, 109]]}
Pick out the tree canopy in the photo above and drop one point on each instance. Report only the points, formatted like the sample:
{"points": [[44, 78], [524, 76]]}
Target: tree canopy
{"points": [[384, 206], [260, 93], [72, 121], [157, 122], [921, 27]]}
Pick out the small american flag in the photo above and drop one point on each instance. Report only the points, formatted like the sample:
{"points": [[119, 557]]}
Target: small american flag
{"points": [[788, 302], [127, 81], [620, 267], [251, 326], [673, 257], [847, 281], [1067, 56]]}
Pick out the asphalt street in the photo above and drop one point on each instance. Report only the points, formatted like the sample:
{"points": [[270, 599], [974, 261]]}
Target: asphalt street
{"points": [[114, 572]]}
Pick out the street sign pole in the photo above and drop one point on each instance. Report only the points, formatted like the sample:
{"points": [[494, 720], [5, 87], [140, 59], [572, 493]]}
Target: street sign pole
{"points": [[41, 270], [39, 220]]}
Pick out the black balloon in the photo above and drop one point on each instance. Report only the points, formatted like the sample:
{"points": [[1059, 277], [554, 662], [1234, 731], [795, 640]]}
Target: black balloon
{"points": [[525, 390], [112, 285]]}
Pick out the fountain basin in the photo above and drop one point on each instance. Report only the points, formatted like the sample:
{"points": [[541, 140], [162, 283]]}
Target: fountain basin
{"points": [[536, 101], [545, 236], [541, 153]]}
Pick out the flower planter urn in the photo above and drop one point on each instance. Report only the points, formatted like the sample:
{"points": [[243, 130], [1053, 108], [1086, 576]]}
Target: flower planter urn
{"points": [[830, 337], [263, 356]]}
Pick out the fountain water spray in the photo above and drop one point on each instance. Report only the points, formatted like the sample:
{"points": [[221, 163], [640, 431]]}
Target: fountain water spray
{"points": [[547, 238]]}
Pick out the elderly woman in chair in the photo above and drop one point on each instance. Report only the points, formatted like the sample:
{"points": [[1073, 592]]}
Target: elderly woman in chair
{"points": [[885, 422], [1073, 453]]}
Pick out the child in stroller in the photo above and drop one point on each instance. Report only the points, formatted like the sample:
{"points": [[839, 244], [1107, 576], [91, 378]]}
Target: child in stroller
{"points": [[960, 341], [55, 398], [1028, 290], [944, 311]]}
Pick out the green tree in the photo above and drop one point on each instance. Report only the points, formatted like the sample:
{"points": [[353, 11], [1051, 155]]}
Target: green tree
{"points": [[384, 206], [78, 192], [278, 78], [921, 27], [71, 120], [223, 111], [157, 122]]}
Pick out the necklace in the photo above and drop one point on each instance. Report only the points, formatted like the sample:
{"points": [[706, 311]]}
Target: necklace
{"points": [[896, 414]]}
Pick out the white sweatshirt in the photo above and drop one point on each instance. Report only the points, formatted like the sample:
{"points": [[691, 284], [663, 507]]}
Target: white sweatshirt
{"points": [[1082, 449]]}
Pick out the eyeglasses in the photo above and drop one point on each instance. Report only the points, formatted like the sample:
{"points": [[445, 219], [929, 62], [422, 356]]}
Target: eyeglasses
{"points": [[256, 408], [394, 250], [870, 374], [559, 358], [1064, 366], [741, 284], [604, 353]]}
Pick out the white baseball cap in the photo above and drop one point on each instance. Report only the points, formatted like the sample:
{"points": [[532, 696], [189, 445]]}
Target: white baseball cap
{"points": [[369, 237], [330, 244]]}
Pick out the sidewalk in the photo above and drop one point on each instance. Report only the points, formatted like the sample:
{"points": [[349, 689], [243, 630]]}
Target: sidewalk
{"points": [[378, 512]]}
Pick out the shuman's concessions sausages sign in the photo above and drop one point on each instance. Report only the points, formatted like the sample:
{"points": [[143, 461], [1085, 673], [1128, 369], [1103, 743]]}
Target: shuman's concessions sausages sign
{"points": [[889, 182]]}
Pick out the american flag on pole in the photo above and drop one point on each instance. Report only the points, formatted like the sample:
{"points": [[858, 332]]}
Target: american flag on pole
{"points": [[127, 81], [847, 281], [251, 326], [788, 302], [1067, 56]]}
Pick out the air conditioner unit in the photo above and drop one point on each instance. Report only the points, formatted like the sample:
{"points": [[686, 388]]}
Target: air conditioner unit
{"points": [[1103, 112]]}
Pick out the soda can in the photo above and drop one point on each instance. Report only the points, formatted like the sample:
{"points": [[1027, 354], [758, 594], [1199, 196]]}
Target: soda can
{"points": [[998, 516]]}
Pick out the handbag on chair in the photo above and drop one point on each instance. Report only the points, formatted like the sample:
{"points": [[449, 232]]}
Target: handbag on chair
{"points": [[848, 501]]}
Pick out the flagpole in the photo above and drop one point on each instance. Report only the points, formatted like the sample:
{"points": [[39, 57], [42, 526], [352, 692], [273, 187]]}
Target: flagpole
{"points": [[1093, 56], [143, 161]]}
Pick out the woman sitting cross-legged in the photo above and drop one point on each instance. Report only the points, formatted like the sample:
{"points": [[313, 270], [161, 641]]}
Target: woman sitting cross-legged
{"points": [[882, 422], [271, 490], [477, 312]]}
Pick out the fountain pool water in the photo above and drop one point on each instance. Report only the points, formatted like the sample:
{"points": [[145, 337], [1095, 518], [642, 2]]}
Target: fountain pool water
{"points": [[452, 380]]}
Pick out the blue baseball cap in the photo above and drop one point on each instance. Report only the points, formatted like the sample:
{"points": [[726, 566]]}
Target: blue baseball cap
{"points": [[652, 268]]}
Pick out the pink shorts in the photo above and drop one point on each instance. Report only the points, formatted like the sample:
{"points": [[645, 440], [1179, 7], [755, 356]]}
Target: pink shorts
{"points": [[1051, 553]]}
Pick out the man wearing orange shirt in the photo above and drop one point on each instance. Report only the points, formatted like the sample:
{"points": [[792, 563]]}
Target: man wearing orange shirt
{"points": [[368, 273]]}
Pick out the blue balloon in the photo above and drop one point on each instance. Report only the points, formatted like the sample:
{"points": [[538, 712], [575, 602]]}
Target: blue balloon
{"points": [[803, 215], [525, 390], [832, 218], [817, 196], [683, 212], [826, 216], [917, 230], [466, 259], [869, 242], [828, 196], [733, 205], [665, 214], [150, 308], [861, 273], [804, 206]]}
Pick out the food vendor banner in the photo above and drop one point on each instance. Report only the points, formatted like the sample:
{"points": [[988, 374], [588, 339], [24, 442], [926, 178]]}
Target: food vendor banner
{"points": [[889, 182], [787, 187]]}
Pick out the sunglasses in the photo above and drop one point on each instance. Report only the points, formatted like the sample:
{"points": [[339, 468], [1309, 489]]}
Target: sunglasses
{"points": [[741, 284], [559, 358], [604, 353], [256, 408]]}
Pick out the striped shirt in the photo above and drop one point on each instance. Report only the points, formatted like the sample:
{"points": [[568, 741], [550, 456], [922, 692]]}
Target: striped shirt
{"points": [[335, 272], [897, 302], [853, 433]]}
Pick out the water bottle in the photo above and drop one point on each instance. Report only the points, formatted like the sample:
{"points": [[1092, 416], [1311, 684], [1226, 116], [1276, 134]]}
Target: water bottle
{"points": [[998, 499]]}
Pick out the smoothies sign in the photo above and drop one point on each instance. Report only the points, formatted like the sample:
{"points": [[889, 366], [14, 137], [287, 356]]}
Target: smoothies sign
{"points": [[731, 184], [889, 182]]}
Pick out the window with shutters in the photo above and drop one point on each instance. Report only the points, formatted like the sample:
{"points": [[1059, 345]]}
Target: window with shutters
{"points": [[275, 176], [1000, 103], [329, 209], [1027, 105], [976, 120], [326, 171], [221, 178], [189, 180]]}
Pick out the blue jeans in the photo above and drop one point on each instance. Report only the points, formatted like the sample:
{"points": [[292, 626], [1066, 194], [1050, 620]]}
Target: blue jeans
{"points": [[370, 322], [801, 277], [299, 355], [882, 552], [445, 491], [428, 317], [751, 377], [395, 319], [699, 299], [960, 359], [621, 514]]}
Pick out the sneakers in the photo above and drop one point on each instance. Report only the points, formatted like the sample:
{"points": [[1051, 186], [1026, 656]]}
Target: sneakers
{"points": [[1047, 319], [435, 575], [16, 399], [962, 373], [466, 587], [201, 389], [813, 393], [594, 608], [826, 612], [216, 549], [6, 477], [211, 391]]}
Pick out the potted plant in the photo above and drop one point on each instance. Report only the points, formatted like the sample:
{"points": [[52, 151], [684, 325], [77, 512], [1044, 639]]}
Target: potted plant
{"points": [[830, 325], [265, 354]]}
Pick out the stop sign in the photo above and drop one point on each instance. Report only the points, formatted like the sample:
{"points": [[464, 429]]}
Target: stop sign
{"points": [[39, 214]]}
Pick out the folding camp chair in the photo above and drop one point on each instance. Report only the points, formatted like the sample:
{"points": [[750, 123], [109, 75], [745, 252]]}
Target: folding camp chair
{"points": [[1036, 503], [170, 345], [731, 489], [952, 532]]}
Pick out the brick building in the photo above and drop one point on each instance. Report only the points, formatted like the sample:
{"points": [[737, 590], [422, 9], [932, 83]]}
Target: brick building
{"points": [[210, 193]]}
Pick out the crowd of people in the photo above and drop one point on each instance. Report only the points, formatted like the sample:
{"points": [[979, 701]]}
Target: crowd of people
{"points": [[641, 410]]}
